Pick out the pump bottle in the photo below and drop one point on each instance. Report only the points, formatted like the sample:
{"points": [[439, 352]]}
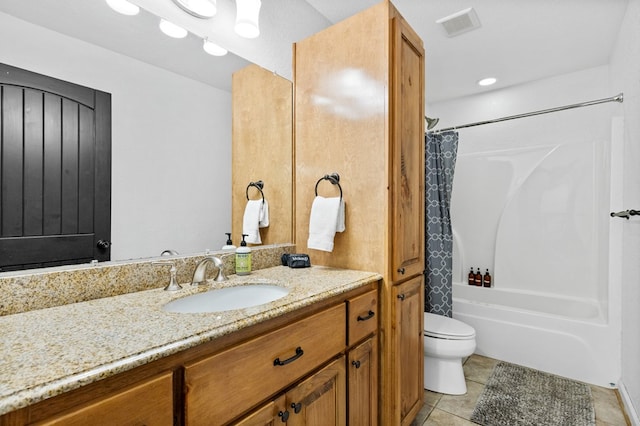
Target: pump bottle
{"points": [[477, 278], [229, 244], [471, 278], [243, 258], [486, 280]]}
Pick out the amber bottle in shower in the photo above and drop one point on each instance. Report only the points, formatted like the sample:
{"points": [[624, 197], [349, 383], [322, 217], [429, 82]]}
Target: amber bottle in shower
{"points": [[486, 280], [472, 277], [477, 278]]}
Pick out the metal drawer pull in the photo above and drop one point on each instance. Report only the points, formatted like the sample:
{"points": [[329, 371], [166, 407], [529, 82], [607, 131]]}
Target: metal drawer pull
{"points": [[299, 353], [284, 415], [401, 270], [356, 364], [296, 407], [401, 296], [370, 315]]}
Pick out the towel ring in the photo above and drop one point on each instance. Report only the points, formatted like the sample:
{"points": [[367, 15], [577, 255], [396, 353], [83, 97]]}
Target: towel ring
{"points": [[259, 185], [334, 178]]}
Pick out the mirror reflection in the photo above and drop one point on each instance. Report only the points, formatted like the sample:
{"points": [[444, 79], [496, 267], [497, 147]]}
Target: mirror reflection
{"points": [[171, 135]]}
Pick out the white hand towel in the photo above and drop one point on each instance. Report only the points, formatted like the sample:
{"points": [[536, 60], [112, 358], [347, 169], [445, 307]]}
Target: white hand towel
{"points": [[264, 214], [251, 221], [327, 218]]}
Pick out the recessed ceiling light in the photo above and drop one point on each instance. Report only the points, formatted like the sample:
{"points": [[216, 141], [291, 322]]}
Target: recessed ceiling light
{"points": [[172, 30], [204, 9], [213, 49], [124, 7], [487, 81]]}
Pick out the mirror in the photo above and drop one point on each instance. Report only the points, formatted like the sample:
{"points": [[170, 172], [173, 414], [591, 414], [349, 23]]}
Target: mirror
{"points": [[171, 136], [262, 151]]}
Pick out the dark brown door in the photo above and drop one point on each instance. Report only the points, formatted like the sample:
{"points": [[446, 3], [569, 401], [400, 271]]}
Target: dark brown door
{"points": [[55, 171]]}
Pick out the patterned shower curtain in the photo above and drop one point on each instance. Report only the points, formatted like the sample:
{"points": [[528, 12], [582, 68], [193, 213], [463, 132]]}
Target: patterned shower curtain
{"points": [[441, 150]]}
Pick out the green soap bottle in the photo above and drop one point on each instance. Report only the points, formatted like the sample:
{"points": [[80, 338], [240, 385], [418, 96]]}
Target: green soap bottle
{"points": [[243, 258]]}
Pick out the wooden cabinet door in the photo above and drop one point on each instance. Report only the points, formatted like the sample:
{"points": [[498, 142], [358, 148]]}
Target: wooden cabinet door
{"points": [[244, 375], [407, 161], [320, 400], [271, 414], [362, 384], [408, 364], [147, 403]]}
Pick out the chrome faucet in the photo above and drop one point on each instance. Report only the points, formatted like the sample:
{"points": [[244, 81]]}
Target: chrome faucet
{"points": [[201, 269]]}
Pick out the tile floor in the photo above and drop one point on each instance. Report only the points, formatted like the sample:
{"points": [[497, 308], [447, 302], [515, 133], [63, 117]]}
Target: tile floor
{"points": [[450, 410]]}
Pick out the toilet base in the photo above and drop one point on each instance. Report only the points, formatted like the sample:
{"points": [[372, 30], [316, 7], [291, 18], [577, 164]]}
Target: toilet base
{"points": [[444, 375]]}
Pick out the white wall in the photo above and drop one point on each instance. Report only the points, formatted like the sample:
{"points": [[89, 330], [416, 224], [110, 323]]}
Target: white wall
{"points": [[171, 141], [625, 76]]}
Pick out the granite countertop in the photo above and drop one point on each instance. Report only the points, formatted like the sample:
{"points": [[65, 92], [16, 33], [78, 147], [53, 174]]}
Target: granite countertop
{"points": [[50, 351]]}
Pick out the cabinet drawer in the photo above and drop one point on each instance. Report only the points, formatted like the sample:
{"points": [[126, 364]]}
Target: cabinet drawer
{"points": [[223, 386], [149, 402], [363, 316]]}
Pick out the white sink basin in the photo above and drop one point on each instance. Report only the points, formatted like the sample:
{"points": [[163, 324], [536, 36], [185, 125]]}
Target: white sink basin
{"points": [[227, 299]]}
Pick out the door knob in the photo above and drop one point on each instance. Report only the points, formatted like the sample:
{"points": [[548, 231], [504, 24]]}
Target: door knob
{"points": [[103, 244]]}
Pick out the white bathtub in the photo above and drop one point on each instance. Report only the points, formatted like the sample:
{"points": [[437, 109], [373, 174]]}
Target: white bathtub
{"points": [[566, 336]]}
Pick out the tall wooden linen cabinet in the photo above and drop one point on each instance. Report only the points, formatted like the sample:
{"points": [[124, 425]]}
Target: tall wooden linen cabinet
{"points": [[359, 111]]}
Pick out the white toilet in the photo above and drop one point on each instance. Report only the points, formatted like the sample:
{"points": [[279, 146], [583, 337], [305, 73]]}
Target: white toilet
{"points": [[446, 342]]}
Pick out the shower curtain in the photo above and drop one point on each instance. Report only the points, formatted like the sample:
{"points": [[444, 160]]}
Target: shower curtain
{"points": [[440, 160]]}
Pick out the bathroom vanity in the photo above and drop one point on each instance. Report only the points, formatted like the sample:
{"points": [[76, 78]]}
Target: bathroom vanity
{"points": [[302, 359]]}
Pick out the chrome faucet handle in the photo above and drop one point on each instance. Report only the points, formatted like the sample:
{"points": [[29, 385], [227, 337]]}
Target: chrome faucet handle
{"points": [[218, 263], [173, 283]]}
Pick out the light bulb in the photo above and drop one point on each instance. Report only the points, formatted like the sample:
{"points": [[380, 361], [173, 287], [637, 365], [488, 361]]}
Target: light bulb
{"points": [[171, 29], [247, 16], [213, 49], [124, 7]]}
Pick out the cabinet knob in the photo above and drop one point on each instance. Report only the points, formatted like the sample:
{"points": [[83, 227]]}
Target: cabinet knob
{"points": [[356, 364], [284, 415], [401, 296], [296, 407], [401, 270]]}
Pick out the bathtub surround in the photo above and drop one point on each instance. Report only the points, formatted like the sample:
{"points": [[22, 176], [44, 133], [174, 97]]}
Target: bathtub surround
{"points": [[27, 291], [520, 395], [440, 162], [535, 211]]}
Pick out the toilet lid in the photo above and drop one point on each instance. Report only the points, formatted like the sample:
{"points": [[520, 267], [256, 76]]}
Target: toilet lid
{"points": [[446, 328]]}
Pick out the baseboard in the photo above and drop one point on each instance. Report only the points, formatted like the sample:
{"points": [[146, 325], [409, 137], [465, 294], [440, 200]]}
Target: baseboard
{"points": [[631, 412]]}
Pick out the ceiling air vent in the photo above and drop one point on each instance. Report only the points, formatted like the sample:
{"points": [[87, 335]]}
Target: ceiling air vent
{"points": [[460, 22]]}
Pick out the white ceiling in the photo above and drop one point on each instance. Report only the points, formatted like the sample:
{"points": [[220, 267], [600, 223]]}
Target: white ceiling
{"points": [[519, 40]]}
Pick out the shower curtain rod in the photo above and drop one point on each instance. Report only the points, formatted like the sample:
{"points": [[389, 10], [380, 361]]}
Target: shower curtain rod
{"points": [[618, 98]]}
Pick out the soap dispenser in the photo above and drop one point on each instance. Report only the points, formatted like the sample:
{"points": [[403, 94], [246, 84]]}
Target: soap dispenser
{"points": [[243, 258], [478, 278], [229, 244], [486, 280], [472, 277]]}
